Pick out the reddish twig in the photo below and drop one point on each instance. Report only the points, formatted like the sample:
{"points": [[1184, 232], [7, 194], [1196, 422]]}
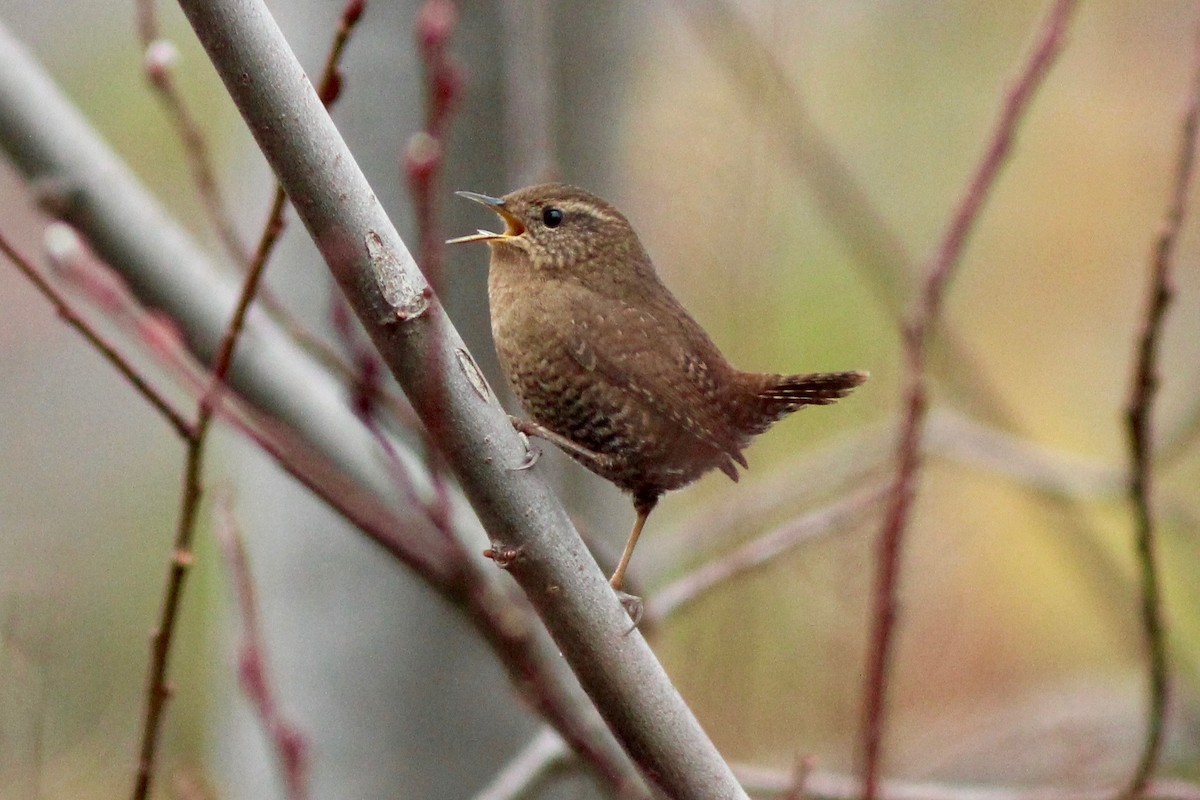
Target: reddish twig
{"points": [[329, 88], [363, 359], [157, 689], [425, 155], [65, 247], [367, 379], [424, 161], [423, 552], [1139, 413], [160, 56], [917, 336], [159, 61], [290, 744], [364, 369]]}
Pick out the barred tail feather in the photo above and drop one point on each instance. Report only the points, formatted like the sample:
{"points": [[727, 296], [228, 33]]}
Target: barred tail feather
{"points": [[773, 397]]}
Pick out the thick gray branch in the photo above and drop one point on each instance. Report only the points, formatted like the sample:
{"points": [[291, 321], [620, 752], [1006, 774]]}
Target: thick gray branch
{"points": [[50, 143], [372, 265]]}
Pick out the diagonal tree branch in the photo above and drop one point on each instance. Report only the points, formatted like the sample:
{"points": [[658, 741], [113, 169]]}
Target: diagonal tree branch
{"points": [[84, 182], [393, 301]]}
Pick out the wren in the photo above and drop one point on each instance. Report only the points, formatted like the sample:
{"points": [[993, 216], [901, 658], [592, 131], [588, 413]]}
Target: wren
{"points": [[608, 364]]}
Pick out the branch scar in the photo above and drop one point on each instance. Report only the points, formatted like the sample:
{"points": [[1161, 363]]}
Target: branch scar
{"points": [[405, 299], [473, 373]]}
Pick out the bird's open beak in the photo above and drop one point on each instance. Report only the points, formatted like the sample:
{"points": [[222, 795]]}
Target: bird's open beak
{"points": [[513, 226]]}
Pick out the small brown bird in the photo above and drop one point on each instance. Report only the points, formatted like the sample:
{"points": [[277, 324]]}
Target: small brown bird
{"points": [[606, 361]]}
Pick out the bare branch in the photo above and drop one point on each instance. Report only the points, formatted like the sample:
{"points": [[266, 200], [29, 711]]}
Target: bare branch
{"points": [[289, 743], [65, 246], [424, 162], [916, 342], [157, 690], [159, 58], [760, 551], [1141, 437], [329, 87]]}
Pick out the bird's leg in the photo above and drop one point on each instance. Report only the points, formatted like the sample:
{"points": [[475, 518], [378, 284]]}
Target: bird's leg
{"points": [[618, 576], [643, 504], [598, 462]]}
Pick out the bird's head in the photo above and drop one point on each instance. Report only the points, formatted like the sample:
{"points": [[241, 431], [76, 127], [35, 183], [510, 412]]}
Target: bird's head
{"points": [[561, 230]]}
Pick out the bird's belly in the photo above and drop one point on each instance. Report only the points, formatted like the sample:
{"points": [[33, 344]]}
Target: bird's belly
{"points": [[641, 449]]}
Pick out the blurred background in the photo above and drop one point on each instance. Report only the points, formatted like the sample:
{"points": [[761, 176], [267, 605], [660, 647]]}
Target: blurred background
{"points": [[790, 166]]}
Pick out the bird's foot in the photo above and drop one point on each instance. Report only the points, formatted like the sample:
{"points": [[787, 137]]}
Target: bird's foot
{"points": [[532, 454], [633, 606], [598, 462]]}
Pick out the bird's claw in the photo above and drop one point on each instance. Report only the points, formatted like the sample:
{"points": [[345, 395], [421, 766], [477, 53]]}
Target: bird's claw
{"points": [[532, 454], [633, 606]]}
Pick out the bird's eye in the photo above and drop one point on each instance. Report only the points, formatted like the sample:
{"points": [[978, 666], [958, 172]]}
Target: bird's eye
{"points": [[552, 217]]}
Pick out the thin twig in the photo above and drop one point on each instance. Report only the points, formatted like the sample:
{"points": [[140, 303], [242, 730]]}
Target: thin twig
{"points": [[424, 163], [428, 555], [159, 62], [291, 452], [916, 342], [290, 744], [329, 87], [1139, 419], [65, 245], [362, 359], [105, 290], [762, 550], [157, 689], [425, 156]]}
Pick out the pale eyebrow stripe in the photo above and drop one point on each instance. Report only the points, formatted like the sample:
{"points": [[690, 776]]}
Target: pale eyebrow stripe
{"points": [[591, 210]]}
